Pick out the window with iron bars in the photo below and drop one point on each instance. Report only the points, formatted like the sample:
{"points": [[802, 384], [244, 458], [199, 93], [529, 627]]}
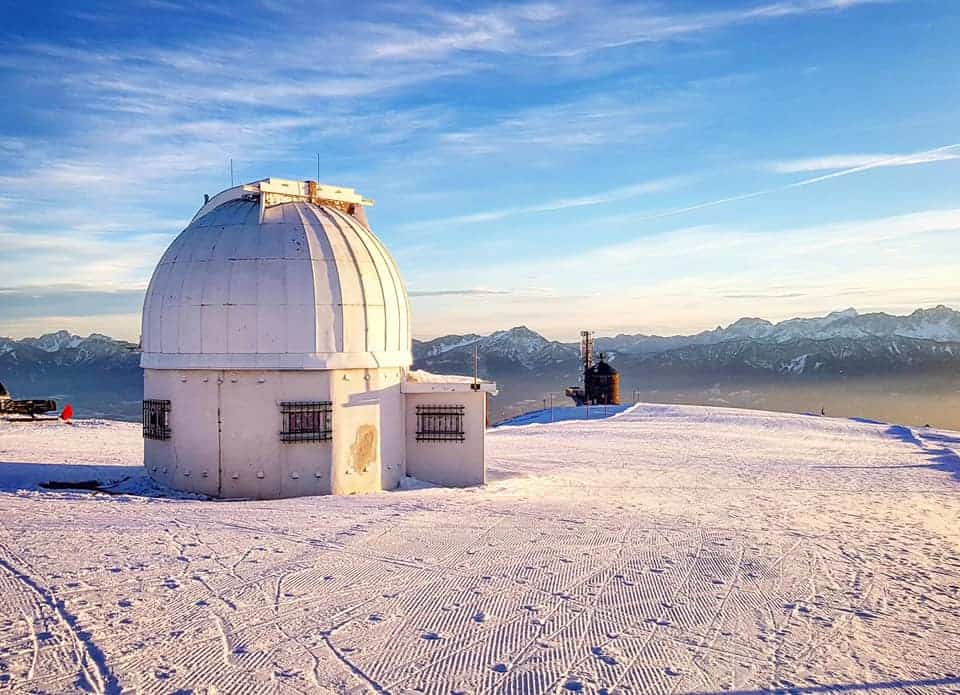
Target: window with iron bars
{"points": [[306, 421], [440, 423], [156, 419]]}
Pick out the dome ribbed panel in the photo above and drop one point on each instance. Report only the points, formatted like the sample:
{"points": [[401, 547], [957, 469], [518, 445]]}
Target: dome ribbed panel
{"points": [[306, 287], [401, 299], [391, 291], [328, 291]]}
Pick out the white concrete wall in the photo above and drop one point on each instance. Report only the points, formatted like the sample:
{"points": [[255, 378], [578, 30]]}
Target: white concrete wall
{"points": [[455, 464], [244, 456], [189, 461], [367, 403]]}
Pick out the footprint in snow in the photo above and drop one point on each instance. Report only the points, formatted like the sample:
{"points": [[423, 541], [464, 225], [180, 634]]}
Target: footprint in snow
{"points": [[603, 656]]}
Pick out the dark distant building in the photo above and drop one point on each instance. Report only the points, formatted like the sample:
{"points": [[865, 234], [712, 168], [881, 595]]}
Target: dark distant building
{"points": [[601, 382]]}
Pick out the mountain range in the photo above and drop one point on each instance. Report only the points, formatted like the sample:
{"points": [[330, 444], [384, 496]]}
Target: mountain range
{"points": [[102, 376], [843, 342]]}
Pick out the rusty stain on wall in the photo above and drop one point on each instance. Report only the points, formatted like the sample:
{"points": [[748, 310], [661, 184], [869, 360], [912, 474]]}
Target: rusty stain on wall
{"points": [[363, 451]]}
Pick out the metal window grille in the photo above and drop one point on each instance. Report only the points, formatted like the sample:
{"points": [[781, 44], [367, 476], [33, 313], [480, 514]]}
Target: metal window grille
{"points": [[306, 421], [440, 423], [156, 419]]}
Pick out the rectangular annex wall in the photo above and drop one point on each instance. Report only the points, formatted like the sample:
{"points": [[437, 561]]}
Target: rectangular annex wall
{"points": [[434, 451]]}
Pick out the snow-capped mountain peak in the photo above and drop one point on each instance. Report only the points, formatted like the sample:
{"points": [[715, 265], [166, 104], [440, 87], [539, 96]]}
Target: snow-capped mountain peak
{"points": [[54, 342]]}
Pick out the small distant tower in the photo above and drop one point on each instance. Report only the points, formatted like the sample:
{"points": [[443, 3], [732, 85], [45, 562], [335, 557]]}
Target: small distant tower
{"points": [[601, 382]]}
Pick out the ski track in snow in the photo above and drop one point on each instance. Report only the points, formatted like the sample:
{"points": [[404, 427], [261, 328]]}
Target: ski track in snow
{"points": [[671, 549]]}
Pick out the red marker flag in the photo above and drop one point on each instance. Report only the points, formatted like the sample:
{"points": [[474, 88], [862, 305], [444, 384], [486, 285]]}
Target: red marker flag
{"points": [[67, 412]]}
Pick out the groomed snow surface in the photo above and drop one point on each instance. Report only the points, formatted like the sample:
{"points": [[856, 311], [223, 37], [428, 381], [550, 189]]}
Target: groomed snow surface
{"points": [[666, 550]]}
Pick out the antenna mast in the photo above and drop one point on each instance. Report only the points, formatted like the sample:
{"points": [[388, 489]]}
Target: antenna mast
{"points": [[476, 368], [586, 350]]}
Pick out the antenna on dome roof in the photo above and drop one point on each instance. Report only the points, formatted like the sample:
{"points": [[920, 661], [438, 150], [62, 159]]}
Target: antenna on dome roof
{"points": [[318, 166], [231, 172]]}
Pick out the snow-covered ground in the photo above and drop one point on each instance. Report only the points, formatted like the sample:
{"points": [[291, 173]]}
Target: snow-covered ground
{"points": [[666, 550]]}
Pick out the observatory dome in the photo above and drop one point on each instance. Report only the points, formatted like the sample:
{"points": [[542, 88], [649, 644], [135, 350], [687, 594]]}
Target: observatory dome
{"points": [[263, 278]]}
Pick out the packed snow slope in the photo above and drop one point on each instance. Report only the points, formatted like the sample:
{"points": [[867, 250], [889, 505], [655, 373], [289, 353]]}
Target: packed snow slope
{"points": [[664, 550]]}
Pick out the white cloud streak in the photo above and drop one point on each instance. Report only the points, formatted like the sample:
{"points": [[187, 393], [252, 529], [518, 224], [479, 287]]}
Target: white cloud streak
{"points": [[612, 195], [941, 152], [861, 162]]}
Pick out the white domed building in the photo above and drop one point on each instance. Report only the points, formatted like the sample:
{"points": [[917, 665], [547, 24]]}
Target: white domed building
{"points": [[277, 353]]}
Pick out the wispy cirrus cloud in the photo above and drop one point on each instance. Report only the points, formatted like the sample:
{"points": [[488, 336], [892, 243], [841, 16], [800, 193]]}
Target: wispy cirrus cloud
{"points": [[861, 162], [468, 292], [565, 29], [612, 195]]}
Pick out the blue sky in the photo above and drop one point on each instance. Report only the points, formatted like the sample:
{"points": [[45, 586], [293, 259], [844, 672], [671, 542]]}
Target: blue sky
{"points": [[650, 167]]}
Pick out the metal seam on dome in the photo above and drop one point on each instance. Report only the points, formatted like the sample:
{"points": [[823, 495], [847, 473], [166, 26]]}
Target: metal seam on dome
{"points": [[404, 336], [373, 261], [211, 258], [164, 304], [400, 291], [339, 337], [260, 270], [363, 290]]}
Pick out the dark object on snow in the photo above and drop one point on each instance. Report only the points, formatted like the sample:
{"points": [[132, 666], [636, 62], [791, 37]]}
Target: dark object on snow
{"points": [[91, 485], [28, 407], [74, 485]]}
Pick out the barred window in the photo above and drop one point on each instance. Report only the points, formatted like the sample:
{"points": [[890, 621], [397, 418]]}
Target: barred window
{"points": [[306, 421], [156, 419], [440, 423]]}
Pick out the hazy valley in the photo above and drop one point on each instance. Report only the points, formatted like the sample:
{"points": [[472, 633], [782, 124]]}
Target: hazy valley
{"points": [[892, 368]]}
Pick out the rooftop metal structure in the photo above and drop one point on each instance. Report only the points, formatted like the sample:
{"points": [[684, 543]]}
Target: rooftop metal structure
{"points": [[272, 191]]}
